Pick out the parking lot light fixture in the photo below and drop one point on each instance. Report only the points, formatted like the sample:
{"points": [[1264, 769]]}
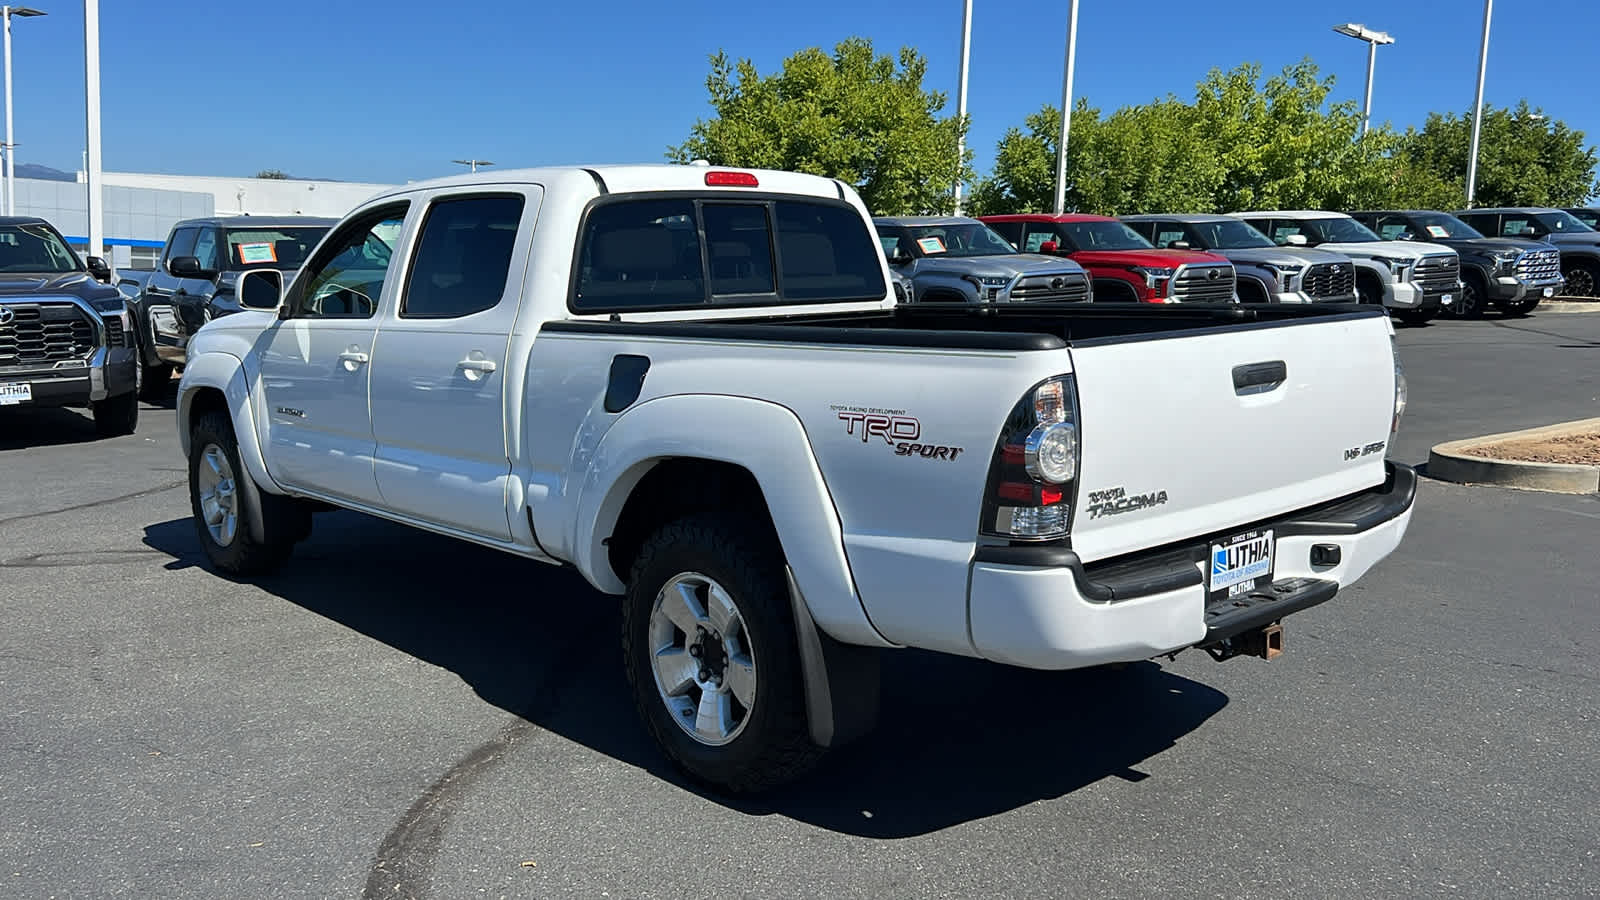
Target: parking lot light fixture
{"points": [[473, 163], [1477, 105], [6, 12], [1373, 38]]}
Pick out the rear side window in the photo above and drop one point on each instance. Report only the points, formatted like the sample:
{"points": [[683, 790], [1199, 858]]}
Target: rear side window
{"points": [[672, 253], [462, 257], [827, 253]]}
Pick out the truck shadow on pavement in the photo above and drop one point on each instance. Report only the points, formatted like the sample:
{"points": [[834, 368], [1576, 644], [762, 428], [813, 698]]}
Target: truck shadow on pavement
{"points": [[45, 427], [958, 739]]}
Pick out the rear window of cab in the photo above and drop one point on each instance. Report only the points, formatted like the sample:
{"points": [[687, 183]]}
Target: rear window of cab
{"points": [[657, 253]]}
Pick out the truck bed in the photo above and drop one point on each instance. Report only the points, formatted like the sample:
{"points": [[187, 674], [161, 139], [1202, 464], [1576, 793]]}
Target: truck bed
{"points": [[1000, 327]]}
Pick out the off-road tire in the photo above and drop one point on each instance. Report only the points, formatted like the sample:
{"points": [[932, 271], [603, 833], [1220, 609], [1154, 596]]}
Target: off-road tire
{"points": [[156, 383], [744, 558], [116, 416], [286, 520]]}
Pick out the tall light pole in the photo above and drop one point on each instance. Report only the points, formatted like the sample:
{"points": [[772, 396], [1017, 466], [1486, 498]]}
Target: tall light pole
{"points": [[1373, 39], [6, 12], [1477, 105], [474, 163], [91, 85], [1066, 106], [961, 96]]}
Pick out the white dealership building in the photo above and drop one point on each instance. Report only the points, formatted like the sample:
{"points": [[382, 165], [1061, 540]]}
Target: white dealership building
{"points": [[140, 209]]}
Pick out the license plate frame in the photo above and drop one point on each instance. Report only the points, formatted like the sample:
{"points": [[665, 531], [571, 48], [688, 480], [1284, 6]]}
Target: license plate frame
{"points": [[16, 393], [1447, 299], [1230, 573], [1549, 292]]}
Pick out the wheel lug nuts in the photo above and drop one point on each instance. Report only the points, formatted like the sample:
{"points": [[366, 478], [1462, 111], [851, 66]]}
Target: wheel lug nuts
{"points": [[695, 651], [705, 674]]}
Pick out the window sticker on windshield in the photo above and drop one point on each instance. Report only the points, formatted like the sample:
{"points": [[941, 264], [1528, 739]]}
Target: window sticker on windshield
{"points": [[931, 245], [263, 251], [1438, 231]]}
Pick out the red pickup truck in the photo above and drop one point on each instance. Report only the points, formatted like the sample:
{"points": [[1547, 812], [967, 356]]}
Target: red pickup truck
{"points": [[1123, 265]]}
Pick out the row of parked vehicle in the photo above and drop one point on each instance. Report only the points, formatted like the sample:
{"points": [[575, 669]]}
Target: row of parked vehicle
{"points": [[1416, 263]]}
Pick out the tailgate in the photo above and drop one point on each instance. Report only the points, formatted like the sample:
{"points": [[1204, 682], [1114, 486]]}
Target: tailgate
{"points": [[1172, 449]]}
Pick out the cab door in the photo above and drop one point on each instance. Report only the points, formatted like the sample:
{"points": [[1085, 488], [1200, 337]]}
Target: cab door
{"points": [[316, 363], [440, 401], [160, 319]]}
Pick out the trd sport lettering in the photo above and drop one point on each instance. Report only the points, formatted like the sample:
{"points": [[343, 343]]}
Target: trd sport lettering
{"points": [[890, 428], [927, 451]]}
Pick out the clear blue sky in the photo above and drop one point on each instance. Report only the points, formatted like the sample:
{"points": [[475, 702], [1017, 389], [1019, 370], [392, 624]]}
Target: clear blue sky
{"points": [[366, 91]]}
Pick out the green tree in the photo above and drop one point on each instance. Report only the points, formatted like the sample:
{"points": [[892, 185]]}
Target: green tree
{"points": [[272, 173], [1279, 146], [856, 115], [1240, 144], [1524, 158]]}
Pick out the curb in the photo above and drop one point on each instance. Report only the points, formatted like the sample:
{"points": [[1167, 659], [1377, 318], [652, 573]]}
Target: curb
{"points": [[1562, 305], [1450, 462]]}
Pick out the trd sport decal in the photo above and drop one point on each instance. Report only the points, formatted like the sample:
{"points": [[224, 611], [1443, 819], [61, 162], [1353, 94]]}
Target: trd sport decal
{"points": [[894, 427]]}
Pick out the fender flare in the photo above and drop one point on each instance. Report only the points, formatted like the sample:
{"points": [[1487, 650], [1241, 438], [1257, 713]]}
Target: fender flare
{"points": [[225, 372], [766, 439]]}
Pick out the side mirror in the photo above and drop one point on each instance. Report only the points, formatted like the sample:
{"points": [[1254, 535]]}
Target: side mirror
{"points": [[1405, 236], [98, 269], [900, 258], [1295, 240], [1049, 247], [187, 267], [260, 288], [1179, 245]]}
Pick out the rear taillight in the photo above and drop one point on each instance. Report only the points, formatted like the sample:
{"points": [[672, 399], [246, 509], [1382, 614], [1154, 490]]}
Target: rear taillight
{"points": [[1399, 388], [1035, 466]]}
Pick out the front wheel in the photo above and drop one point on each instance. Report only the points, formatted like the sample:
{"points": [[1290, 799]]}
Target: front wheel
{"points": [[1583, 279], [116, 416], [155, 382], [711, 655], [1470, 302], [222, 506]]}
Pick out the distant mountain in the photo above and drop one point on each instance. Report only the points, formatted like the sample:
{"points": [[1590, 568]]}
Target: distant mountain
{"points": [[44, 173]]}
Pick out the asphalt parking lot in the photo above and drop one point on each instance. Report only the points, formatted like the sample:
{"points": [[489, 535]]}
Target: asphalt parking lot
{"points": [[402, 715]]}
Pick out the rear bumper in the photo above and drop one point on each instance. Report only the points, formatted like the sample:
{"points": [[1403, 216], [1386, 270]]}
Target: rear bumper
{"points": [[1042, 608]]}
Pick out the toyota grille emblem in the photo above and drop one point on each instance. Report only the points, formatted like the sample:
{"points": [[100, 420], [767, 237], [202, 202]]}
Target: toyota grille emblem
{"points": [[6, 315], [1056, 282], [1214, 274]]}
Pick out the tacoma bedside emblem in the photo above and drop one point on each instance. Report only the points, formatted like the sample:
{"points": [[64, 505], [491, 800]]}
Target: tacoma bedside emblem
{"points": [[6, 315]]}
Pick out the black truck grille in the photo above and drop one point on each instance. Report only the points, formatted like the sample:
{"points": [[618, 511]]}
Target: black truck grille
{"points": [[1539, 266], [1205, 283], [1330, 280], [1438, 274], [1068, 287], [45, 333]]}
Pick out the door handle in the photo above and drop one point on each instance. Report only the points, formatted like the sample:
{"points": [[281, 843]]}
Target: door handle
{"points": [[1258, 378], [352, 359], [483, 366]]}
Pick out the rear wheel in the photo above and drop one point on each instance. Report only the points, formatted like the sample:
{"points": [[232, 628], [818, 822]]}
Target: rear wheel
{"points": [[222, 505], [711, 654]]}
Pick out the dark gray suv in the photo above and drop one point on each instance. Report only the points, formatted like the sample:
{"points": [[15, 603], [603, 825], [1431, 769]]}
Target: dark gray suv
{"points": [[1579, 244], [1513, 274]]}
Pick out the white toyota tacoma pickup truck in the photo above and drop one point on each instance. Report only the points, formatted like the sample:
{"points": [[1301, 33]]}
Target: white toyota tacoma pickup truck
{"points": [[694, 386]]}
